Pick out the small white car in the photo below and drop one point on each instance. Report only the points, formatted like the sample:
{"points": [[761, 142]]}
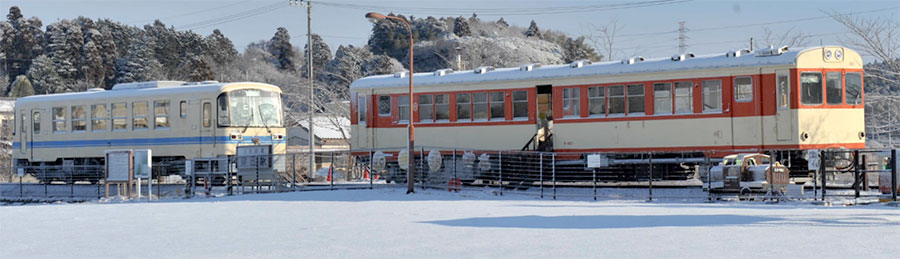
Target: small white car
{"points": [[748, 173]]}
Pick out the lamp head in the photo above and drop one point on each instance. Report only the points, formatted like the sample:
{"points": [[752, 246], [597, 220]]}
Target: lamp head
{"points": [[374, 17]]}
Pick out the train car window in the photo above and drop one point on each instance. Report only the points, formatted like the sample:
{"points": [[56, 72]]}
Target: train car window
{"points": [[161, 114], [403, 108], [207, 115], [99, 117], [384, 105], [442, 107], [635, 100], [36, 122], [783, 91], [361, 107], [426, 108], [853, 90], [743, 89], [498, 106], [59, 119], [662, 98], [811, 88], [571, 102], [834, 88], [183, 110], [463, 107], [119, 117], [79, 118], [712, 95], [684, 97], [520, 104], [596, 101], [139, 112], [616, 100], [480, 106], [223, 120]]}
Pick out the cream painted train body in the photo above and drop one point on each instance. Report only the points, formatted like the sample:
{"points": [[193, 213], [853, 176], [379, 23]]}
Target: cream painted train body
{"points": [[176, 120], [769, 100]]}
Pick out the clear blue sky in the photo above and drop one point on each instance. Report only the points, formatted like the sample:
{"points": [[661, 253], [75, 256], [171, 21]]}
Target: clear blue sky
{"points": [[342, 22]]}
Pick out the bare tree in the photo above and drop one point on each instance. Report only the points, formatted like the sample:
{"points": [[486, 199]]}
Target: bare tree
{"points": [[603, 38], [789, 38], [878, 37]]}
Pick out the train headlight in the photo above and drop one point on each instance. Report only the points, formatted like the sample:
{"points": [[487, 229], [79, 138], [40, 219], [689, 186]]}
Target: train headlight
{"points": [[838, 54], [236, 135], [828, 54], [861, 135], [277, 136], [804, 136]]}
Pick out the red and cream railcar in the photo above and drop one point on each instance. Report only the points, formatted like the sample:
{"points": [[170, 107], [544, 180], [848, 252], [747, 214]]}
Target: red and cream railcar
{"points": [[770, 99]]}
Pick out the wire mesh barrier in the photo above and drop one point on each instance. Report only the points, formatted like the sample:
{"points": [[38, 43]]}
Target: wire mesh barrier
{"points": [[843, 174]]}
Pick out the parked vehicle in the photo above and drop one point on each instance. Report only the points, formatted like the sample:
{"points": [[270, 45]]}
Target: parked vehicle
{"points": [[748, 173]]}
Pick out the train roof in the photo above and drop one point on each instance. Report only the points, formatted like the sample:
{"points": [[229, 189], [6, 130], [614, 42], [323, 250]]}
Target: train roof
{"points": [[732, 59], [142, 89]]}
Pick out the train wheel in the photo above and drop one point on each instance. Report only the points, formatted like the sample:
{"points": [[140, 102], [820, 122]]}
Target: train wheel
{"points": [[745, 194]]}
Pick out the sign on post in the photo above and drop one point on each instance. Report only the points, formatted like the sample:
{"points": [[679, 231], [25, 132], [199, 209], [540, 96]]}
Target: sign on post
{"points": [[119, 169], [142, 163], [812, 159], [20, 172], [597, 161], [251, 157]]}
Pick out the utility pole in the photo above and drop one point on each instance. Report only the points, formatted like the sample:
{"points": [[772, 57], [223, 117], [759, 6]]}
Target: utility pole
{"points": [[682, 38], [312, 102]]}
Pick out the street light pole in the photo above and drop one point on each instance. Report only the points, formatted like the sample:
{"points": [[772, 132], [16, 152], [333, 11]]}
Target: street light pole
{"points": [[411, 169]]}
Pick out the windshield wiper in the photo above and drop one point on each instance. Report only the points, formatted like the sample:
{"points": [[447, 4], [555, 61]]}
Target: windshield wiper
{"points": [[263, 119]]}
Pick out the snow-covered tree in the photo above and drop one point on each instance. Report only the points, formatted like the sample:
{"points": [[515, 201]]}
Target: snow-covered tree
{"points": [[64, 42], [221, 49], [281, 49], [21, 87], [22, 41], [321, 54], [533, 30], [502, 23], [43, 76], [461, 27], [197, 69], [138, 64]]}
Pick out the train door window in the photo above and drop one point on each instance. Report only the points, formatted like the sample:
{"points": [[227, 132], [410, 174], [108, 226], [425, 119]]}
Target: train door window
{"points": [[161, 114], [207, 115], [183, 110], [59, 119], [616, 100], [79, 118], [384, 105], [223, 120], [743, 89], [403, 108], [853, 89], [834, 88], [684, 97], [480, 106], [783, 91], [463, 107], [520, 104], [662, 98], [139, 116], [712, 96], [811, 88], [99, 117], [36, 122], [498, 106], [361, 107], [442, 107], [635, 100], [119, 117], [571, 102], [426, 108], [596, 101]]}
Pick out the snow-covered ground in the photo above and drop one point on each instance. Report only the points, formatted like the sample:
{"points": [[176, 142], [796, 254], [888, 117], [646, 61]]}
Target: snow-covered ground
{"points": [[432, 223]]}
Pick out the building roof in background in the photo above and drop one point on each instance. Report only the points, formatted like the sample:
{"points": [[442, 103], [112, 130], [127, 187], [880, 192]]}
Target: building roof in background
{"points": [[7, 104], [327, 127]]}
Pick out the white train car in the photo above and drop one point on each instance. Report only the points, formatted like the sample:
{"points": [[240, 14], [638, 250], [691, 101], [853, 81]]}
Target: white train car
{"points": [[769, 100], [176, 120]]}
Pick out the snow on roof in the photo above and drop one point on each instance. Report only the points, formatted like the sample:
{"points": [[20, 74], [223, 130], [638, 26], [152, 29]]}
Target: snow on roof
{"points": [[325, 127], [567, 70], [124, 92]]}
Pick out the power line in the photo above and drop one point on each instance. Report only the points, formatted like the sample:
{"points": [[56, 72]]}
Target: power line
{"points": [[234, 17], [508, 11], [190, 13]]}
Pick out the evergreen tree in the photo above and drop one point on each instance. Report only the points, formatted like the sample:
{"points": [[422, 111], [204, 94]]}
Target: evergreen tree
{"points": [[198, 69], [282, 50], [21, 87], [321, 54], [43, 76], [461, 27], [502, 23], [64, 48], [221, 49], [533, 30], [138, 64], [4, 83], [23, 40]]}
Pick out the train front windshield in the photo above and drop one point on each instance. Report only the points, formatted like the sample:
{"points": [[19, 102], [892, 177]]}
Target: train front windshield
{"points": [[250, 108]]}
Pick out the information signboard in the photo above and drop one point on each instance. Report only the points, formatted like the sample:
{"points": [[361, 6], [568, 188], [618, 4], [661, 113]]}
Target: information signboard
{"points": [[597, 161], [142, 163], [812, 159], [118, 165], [251, 157]]}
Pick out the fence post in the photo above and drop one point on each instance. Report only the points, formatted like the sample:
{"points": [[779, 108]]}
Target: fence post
{"points": [[500, 183], [594, 180], [553, 164], [294, 172], [257, 174], [72, 185], [856, 183], [708, 178], [20, 186], [46, 181], [99, 176], [822, 172], [331, 170], [455, 175], [372, 172], [541, 171], [894, 174], [423, 169], [650, 178]]}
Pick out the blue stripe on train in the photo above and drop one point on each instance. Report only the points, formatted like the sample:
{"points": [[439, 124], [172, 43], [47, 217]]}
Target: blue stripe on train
{"points": [[263, 140]]}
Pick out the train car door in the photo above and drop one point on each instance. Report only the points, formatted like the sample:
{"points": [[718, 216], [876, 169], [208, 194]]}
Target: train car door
{"points": [[544, 114], [362, 111], [783, 116], [23, 133], [35, 128], [207, 129]]}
